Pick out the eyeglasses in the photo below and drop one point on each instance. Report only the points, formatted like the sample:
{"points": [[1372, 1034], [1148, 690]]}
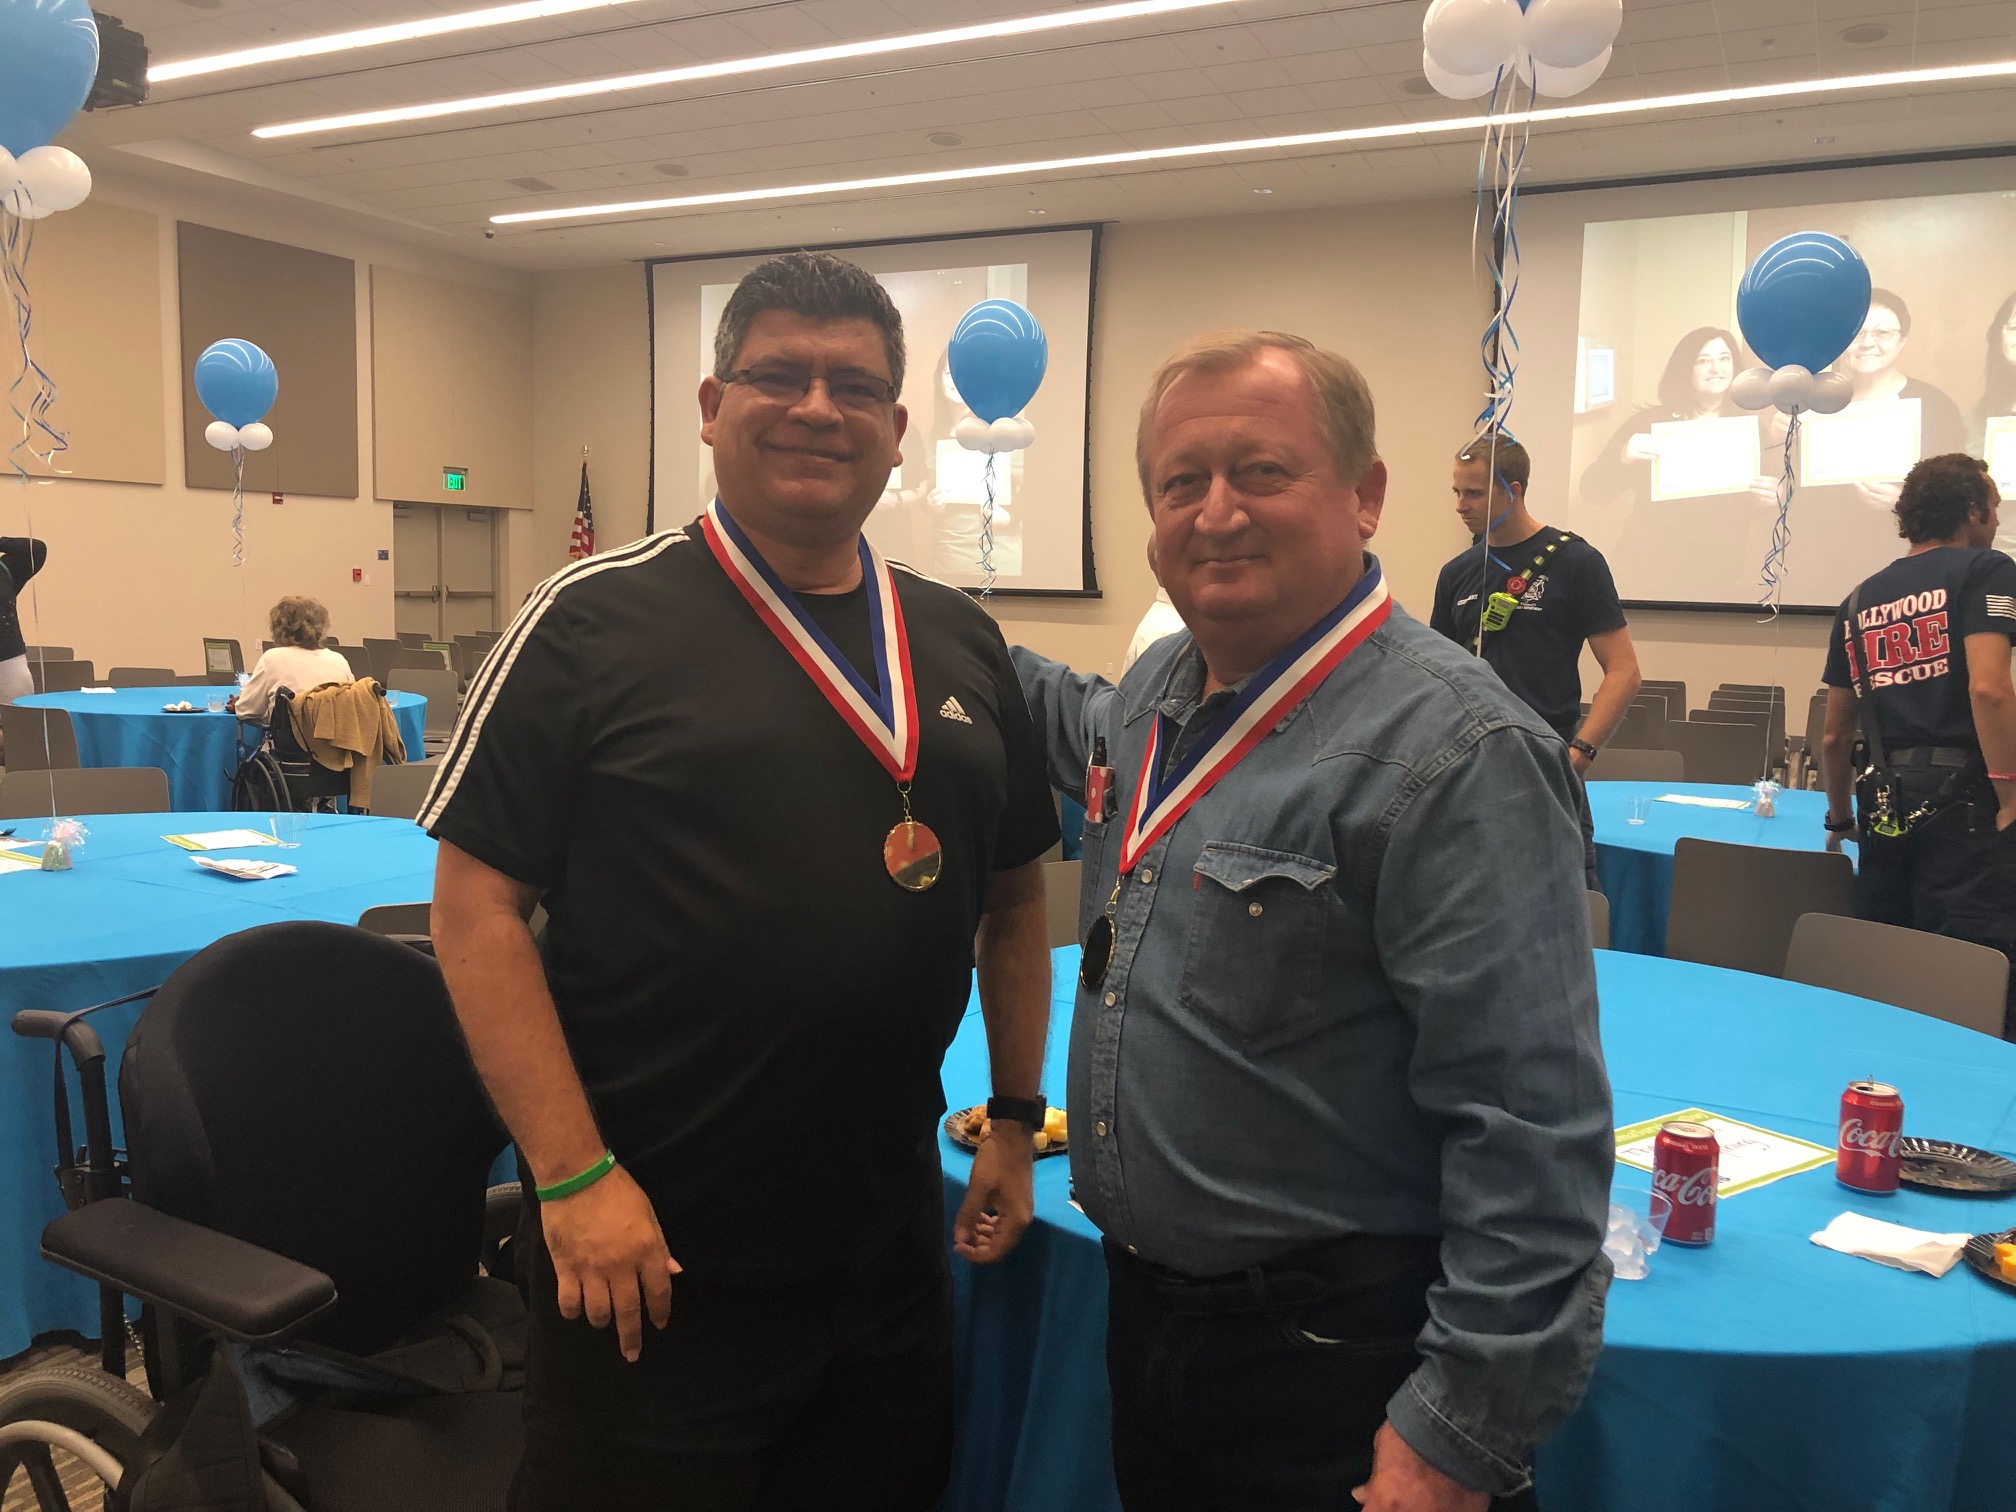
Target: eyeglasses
{"points": [[1881, 335], [787, 385]]}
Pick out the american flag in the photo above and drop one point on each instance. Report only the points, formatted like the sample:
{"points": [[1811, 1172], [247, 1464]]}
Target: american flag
{"points": [[583, 542]]}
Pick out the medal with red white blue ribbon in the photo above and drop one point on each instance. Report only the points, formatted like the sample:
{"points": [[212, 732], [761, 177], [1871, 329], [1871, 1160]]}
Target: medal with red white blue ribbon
{"points": [[883, 718], [1162, 798]]}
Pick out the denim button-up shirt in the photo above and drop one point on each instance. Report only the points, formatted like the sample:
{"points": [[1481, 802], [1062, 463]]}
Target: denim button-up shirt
{"points": [[1351, 991]]}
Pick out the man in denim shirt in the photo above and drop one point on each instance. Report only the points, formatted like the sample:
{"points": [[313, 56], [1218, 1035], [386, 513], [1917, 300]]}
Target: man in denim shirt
{"points": [[1337, 1099]]}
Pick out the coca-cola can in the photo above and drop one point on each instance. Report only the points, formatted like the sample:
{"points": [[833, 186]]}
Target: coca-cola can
{"points": [[1872, 1121], [1685, 1163]]}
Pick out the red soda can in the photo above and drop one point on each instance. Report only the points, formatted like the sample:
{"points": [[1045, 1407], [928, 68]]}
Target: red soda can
{"points": [[1685, 1162], [1872, 1121]]}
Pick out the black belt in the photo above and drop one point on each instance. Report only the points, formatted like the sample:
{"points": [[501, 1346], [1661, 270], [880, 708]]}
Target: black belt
{"points": [[1929, 756], [1300, 1276]]}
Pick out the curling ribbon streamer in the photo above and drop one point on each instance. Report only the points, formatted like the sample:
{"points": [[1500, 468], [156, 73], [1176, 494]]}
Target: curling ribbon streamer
{"points": [[987, 530], [237, 506], [1772, 575], [31, 408]]}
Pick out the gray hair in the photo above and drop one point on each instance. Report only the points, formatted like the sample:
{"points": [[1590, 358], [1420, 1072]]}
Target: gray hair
{"points": [[818, 286]]}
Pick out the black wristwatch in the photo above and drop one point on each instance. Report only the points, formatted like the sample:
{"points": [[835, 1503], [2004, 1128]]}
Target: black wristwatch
{"points": [[1579, 744], [1022, 1110], [1837, 829]]}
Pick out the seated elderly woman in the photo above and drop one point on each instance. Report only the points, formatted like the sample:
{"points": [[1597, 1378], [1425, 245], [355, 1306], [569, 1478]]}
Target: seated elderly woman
{"points": [[298, 661]]}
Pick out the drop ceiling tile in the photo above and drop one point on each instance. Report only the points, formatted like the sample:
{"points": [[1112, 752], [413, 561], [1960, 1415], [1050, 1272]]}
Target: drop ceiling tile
{"points": [[1175, 84], [1345, 94], [1694, 18], [1324, 67], [1967, 22], [1375, 25], [1392, 58], [1231, 44], [1678, 53]]}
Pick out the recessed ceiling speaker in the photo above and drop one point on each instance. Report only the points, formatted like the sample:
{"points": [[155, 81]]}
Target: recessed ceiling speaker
{"points": [[1864, 34]]}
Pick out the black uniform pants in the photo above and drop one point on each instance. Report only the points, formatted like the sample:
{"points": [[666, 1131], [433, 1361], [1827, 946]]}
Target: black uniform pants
{"points": [[834, 1394], [1952, 873], [1262, 1393]]}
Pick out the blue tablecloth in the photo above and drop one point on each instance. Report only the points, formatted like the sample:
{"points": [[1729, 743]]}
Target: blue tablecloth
{"points": [[1635, 861], [200, 752], [132, 910], [1762, 1374]]}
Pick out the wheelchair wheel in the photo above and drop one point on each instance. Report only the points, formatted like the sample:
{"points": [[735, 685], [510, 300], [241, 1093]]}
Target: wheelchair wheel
{"points": [[501, 1205], [70, 1430]]}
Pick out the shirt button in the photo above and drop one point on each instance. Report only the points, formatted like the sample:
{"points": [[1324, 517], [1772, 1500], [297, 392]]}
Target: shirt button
{"points": [[1133, 1249], [1099, 1128], [1253, 909], [1112, 998], [1147, 876]]}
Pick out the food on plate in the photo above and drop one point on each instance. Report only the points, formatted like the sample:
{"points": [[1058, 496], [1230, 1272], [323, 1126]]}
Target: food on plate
{"points": [[974, 1125], [2005, 1261]]}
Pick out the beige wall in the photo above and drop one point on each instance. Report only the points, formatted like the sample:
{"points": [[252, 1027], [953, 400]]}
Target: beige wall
{"points": [[139, 574]]}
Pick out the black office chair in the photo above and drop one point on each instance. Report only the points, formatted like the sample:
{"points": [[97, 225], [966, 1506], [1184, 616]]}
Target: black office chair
{"points": [[306, 1144]]}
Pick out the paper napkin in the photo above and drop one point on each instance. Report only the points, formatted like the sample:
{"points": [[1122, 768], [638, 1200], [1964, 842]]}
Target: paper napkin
{"points": [[1892, 1244]]}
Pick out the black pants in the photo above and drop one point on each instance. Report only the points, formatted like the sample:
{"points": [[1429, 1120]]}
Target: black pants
{"points": [[1952, 873], [828, 1395], [1264, 1402]]}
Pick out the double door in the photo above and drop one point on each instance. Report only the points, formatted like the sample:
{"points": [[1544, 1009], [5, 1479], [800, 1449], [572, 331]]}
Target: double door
{"points": [[444, 570]]}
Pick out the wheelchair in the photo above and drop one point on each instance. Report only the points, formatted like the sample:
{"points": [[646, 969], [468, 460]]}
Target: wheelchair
{"points": [[327, 1318]]}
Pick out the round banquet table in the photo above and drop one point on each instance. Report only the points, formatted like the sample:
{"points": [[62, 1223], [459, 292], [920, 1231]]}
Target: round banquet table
{"points": [[131, 911], [200, 752], [1635, 861], [1760, 1374]]}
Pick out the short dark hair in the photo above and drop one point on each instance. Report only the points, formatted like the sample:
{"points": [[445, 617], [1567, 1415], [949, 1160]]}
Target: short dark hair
{"points": [[818, 286], [1940, 495], [1894, 305], [1505, 457]]}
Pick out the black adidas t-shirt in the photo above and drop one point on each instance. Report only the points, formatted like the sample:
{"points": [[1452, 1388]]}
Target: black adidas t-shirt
{"points": [[738, 978], [1568, 597], [1912, 623]]}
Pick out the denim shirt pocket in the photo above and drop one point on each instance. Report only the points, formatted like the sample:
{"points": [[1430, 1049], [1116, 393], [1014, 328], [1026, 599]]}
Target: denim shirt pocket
{"points": [[1253, 958]]}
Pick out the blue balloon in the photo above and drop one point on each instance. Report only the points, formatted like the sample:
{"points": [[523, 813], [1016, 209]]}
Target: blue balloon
{"points": [[48, 58], [997, 356], [236, 381], [1803, 300]]}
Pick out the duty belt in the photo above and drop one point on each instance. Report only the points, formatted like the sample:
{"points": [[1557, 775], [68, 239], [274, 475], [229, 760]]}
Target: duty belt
{"points": [[1928, 756]]}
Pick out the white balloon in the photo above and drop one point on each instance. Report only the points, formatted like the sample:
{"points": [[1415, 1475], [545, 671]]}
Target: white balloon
{"points": [[1471, 36], [971, 433], [1010, 435], [221, 435], [1560, 83], [1571, 33], [17, 203], [1792, 388], [255, 437], [55, 178], [1751, 389], [6, 170], [1829, 393], [1457, 86]]}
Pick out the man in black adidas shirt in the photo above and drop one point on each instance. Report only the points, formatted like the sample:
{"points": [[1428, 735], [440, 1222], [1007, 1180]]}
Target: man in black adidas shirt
{"points": [[1540, 593], [1926, 643], [764, 893]]}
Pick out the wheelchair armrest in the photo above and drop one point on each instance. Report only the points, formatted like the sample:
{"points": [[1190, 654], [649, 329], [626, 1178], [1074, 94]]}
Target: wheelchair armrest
{"points": [[221, 1284]]}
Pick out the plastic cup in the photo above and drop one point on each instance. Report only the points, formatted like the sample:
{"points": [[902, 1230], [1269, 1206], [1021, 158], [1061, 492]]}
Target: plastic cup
{"points": [[288, 828], [215, 703], [1631, 1192], [1640, 807]]}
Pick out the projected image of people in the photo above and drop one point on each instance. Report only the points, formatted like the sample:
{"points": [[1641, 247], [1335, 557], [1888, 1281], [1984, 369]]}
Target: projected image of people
{"points": [[1647, 465], [1680, 489], [1991, 427]]}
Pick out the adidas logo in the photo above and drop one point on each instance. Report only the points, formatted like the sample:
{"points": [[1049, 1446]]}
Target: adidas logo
{"points": [[950, 710]]}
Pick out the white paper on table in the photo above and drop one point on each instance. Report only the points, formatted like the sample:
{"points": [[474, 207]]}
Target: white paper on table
{"points": [[97, 690], [13, 857], [1750, 1156], [961, 477], [246, 871], [1892, 1244], [1693, 800], [231, 839], [1999, 449], [1697, 458], [1873, 441]]}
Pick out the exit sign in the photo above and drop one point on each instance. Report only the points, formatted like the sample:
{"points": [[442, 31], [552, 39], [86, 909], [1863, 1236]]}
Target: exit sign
{"points": [[454, 479]]}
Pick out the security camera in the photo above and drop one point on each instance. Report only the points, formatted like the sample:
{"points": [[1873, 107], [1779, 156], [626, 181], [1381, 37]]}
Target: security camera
{"points": [[489, 234]]}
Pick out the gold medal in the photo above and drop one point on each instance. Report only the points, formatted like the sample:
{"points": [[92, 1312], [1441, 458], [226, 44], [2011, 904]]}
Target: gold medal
{"points": [[911, 856]]}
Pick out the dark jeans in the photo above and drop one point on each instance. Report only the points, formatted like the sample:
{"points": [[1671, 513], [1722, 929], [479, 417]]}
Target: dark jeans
{"points": [[832, 1395], [1265, 1402], [1952, 873]]}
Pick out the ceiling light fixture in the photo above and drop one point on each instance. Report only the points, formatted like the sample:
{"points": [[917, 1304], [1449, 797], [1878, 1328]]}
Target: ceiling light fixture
{"points": [[1015, 26], [371, 36], [1593, 111]]}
